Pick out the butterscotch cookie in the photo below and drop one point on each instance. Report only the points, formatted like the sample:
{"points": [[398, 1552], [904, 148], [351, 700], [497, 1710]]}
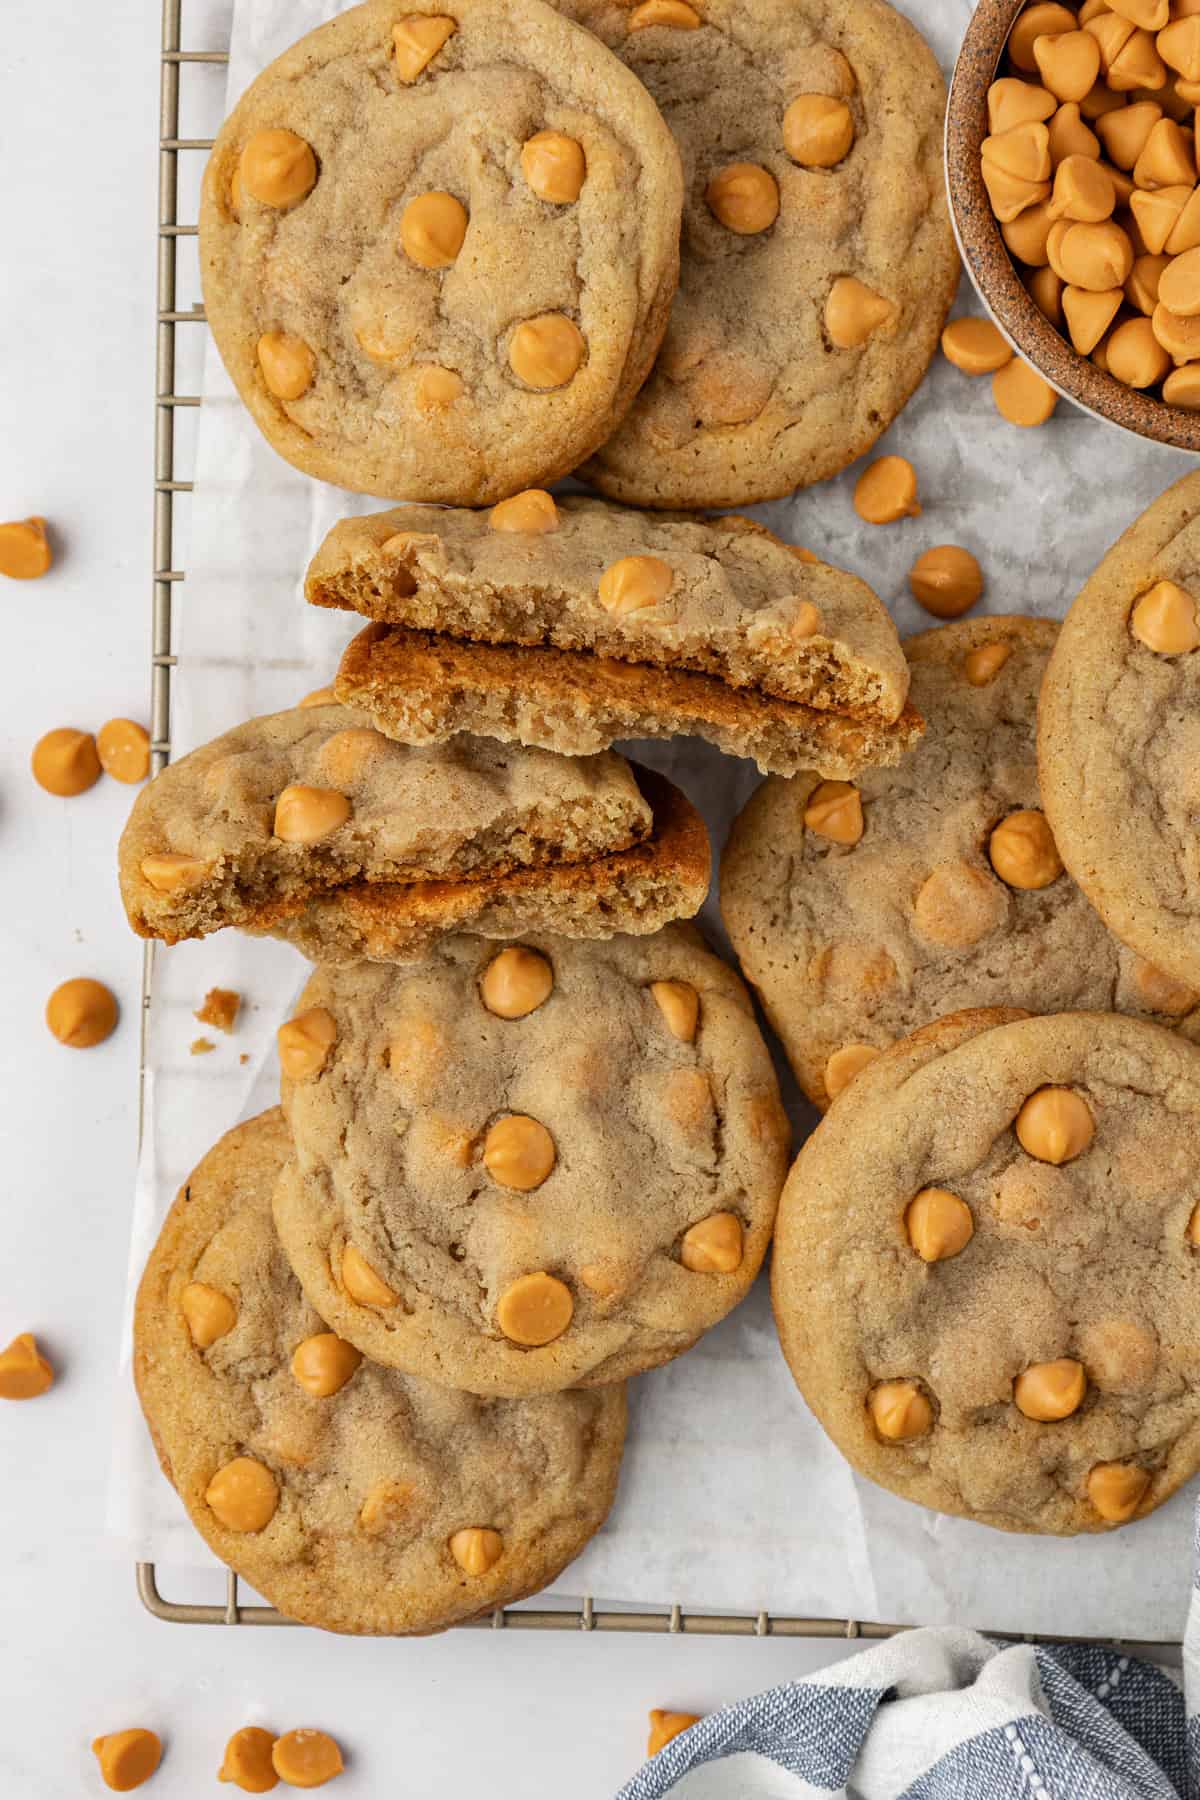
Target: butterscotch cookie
{"points": [[570, 623], [663, 877], [1119, 736], [351, 1496], [522, 1169], [818, 260], [984, 1270], [439, 247], [266, 820], [861, 911]]}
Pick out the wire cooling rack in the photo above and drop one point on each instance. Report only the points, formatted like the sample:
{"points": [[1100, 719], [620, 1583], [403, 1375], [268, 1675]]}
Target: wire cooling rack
{"points": [[176, 62]]}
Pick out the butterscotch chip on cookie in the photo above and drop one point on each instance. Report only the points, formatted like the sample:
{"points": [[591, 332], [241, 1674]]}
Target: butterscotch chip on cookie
{"points": [[983, 1273], [1119, 737], [459, 1201], [340, 1490], [439, 248], [818, 263], [944, 890], [614, 623], [284, 810]]}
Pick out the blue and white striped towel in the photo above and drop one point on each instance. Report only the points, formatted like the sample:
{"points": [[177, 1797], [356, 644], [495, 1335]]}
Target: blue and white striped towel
{"points": [[949, 1715]]}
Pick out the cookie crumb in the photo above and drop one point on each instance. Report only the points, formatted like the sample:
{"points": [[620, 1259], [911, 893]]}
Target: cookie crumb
{"points": [[244, 1057], [220, 1009], [202, 1045]]}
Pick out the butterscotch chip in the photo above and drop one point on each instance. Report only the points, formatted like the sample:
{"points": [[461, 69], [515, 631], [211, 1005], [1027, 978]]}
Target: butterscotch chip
{"points": [[679, 1004], [1097, 257], [1013, 102], [1179, 46], [744, 197], [65, 762], [1167, 158], [1182, 388], [25, 551], [305, 1758], [887, 490], [1022, 850], [1034, 22], [533, 510], [547, 351], [323, 1364], [633, 582], [899, 1410], [938, 1224], [1177, 333], [362, 1282], [437, 388], [288, 365], [835, 811], [1161, 993], [382, 1471], [1022, 396], [1159, 216], [555, 166], [844, 1064], [818, 130], [1141, 290], [535, 1309], [305, 815], [432, 229], [209, 1313], [1116, 1490], [1070, 135], [1028, 235], [1166, 620], [243, 1495], [981, 666], [675, 14], [516, 983], [277, 168], [123, 747], [854, 313], [1050, 1391], [127, 1758], [1124, 133], [947, 581], [173, 872], [666, 1726], [81, 1013], [247, 1761], [1082, 191], [476, 1549], [305, 1042], [1068, 63], [1179, 284], [975, 346], [958, 905], [1135, 355], [24, 1372], [714, 1245], [518, 1152], [417, 40], [1055, 1125]]}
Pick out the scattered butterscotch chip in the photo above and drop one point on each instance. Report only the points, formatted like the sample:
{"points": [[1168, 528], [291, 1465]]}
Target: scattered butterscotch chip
{"points": [[546, 352], [844, 1064], [664, 1726], [886, 491], [476, 1549], [855, 312], [305, 1042], [946, 580], [1055, 1125], [1022, 850], [899, 1410], [1166, 620], [24, 549], [417, 40], [518, 1152], [127, 1758], [554, 165], [516, 982], [220, 1009], [361, 1281], [975, 346], [305, 815], [834, 811], [634, 582], [818, 130], [286, 363], [432, 230], [201, 1046], [1050, 1391], [679, 1004], [306, 1759], [713, 1246], [534, 510], [277, 168], [535, 1309], [65, 762], [981, 666], [247, 1761], [243, 1494], [744, 197], [209, 1313], [81, 1013], [1021, 395], [124, 750], [322, 1365], [1116, 1490], [939, 1224], [24, 1371]]}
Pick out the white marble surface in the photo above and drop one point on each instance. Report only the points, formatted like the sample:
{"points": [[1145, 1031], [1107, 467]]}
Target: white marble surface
{"points": [[523, 1716]]}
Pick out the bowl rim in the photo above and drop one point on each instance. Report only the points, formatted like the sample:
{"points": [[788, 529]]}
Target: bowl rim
{"points": [[992, 270]]}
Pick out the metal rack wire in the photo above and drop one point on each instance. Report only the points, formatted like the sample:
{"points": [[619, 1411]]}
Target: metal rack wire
{"points": [[585, 1616]]}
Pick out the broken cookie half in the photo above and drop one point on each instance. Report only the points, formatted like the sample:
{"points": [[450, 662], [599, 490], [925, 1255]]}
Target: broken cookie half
{"points": [[312, 826], [570, 623]]}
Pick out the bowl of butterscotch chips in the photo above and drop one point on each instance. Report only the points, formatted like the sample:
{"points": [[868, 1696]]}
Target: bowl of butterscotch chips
{"points": [[1072, 161]]}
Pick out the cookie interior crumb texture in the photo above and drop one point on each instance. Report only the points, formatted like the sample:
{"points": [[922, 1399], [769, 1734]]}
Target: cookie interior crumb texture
{"points": [[400, 307]]}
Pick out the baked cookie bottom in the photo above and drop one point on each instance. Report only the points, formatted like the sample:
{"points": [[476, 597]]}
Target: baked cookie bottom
{"points": [[424, 687], [634, 891]]}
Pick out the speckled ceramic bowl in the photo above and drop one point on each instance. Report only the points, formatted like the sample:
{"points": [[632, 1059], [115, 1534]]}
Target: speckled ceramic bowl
{"points": [[991, 269]]}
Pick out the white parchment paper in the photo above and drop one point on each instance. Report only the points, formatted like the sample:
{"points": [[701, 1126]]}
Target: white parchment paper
{"points": [[731, 1496]]}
